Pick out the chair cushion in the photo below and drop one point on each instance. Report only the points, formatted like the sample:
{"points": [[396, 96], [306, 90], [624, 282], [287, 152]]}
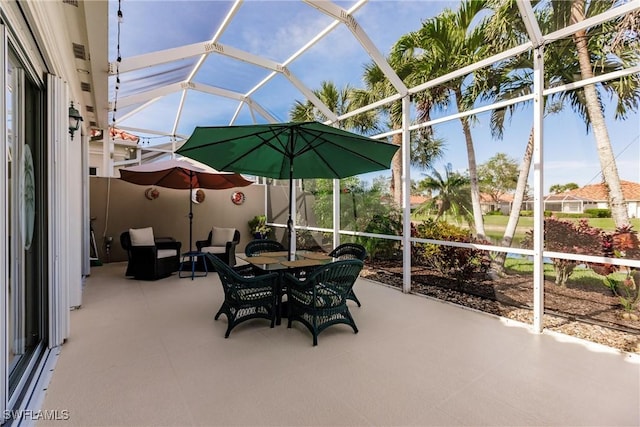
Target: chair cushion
{"points": [[166, 253], [142, 236], [213, 249], [221, 236]]}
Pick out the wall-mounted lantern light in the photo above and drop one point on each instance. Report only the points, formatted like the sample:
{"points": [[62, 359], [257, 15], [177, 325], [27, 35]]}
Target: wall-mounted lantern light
{"points": [[74, 120]]}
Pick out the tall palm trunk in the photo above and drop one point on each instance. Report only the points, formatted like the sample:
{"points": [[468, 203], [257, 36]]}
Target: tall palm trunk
{"points": [[497, 265], [608, 165], [396, 169], [473, 174]]}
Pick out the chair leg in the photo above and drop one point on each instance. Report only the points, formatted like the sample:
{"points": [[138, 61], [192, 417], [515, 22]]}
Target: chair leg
{"points": [[315, 330], [352, 322], [352, 296], [275, 313], [220, 312]]}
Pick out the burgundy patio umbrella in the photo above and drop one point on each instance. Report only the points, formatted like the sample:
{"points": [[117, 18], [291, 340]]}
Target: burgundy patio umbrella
{"points": [[182, 175]]}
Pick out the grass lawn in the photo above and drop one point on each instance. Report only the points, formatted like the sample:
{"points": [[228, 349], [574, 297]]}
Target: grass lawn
{"points": [[582, 275], [606, 224]]}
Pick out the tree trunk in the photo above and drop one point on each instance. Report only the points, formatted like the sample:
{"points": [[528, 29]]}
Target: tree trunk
{"points": [[473, 175], [396, 170], [608, 165], [497, 265]]}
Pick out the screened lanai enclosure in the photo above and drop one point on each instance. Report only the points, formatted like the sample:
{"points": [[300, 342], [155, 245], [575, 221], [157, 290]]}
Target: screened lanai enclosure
{"points": [[497, 106]]}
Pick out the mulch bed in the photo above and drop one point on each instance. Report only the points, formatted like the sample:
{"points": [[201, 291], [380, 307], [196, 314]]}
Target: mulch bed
{"points": [[589, 312]]}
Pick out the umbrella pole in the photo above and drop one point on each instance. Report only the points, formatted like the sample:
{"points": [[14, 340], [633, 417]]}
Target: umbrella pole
{"points": [[190, 209], [290, 220]]}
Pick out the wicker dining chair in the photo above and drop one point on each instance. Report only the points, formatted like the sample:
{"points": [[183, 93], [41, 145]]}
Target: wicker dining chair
{"points": [[350, 251], [258, 246], [245, 298], [320, 300]]}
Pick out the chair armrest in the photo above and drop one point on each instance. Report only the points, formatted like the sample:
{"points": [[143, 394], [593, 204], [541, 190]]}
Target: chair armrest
{"points": [[203, 243], [230, 247], [247, 270], [172, 244], [230, 250], [164, 239]]}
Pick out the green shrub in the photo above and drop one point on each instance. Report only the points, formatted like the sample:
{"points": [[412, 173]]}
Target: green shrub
{"points": [[390, 224], [496, 212], [597, 213], [571, 215], [462, 263], [547, 214]]}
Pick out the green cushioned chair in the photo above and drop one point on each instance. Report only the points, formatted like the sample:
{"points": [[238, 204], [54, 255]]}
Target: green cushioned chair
{"points": [[320, 300], [245, 298], [350, 251]]}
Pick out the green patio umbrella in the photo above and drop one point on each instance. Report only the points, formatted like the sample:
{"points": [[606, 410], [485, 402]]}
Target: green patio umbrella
{"points": [[288, 151]]}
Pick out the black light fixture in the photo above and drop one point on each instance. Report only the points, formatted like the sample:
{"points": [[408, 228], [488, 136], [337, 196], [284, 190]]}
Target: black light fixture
{"points": [[74, 120]]}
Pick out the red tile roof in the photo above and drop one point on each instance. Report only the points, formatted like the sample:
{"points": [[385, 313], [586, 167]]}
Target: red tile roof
{"points": [[120, 134], [504, 198], [598, 192], [417, 199]]}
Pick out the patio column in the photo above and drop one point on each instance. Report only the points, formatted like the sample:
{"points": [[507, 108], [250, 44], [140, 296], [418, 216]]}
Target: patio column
{"points": [[406, 195], [538, 189], [107, 154]]}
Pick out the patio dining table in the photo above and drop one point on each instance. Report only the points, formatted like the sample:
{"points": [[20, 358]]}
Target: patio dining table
{"points": [[269, 262]]}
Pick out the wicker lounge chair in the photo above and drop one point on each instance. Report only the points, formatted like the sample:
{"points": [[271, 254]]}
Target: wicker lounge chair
{"points": [[150, 258]]}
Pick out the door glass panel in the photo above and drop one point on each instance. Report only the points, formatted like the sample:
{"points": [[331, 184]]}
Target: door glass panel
{"points": [[26, 206], [13, 327]]}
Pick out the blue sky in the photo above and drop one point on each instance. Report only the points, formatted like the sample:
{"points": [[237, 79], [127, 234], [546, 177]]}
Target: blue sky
{"points": [[276, 29]]}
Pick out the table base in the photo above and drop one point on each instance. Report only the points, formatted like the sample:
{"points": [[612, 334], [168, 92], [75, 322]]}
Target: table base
{"points": [[192, 258]]}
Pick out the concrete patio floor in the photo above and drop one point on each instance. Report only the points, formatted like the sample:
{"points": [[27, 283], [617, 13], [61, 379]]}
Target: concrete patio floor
{"points": [[150, 353]]}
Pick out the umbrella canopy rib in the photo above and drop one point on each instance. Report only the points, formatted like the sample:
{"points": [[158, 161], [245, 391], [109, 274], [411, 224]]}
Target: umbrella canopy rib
{"points": [[310, 146]]}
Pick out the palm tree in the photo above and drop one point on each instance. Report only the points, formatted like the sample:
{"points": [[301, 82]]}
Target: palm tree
{"points": [[594, 108], [445, 43], [425, 147], [340, 101], [512, 78], [377, 86], [450, 194]]}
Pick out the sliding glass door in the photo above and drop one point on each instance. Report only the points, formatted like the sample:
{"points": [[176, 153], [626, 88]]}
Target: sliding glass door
{"points": [[25, 207]]}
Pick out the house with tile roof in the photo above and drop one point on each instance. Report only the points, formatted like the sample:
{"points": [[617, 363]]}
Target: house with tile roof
{"points": [[487, 202], [417, 200], [593, 197], [502, 203]]}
